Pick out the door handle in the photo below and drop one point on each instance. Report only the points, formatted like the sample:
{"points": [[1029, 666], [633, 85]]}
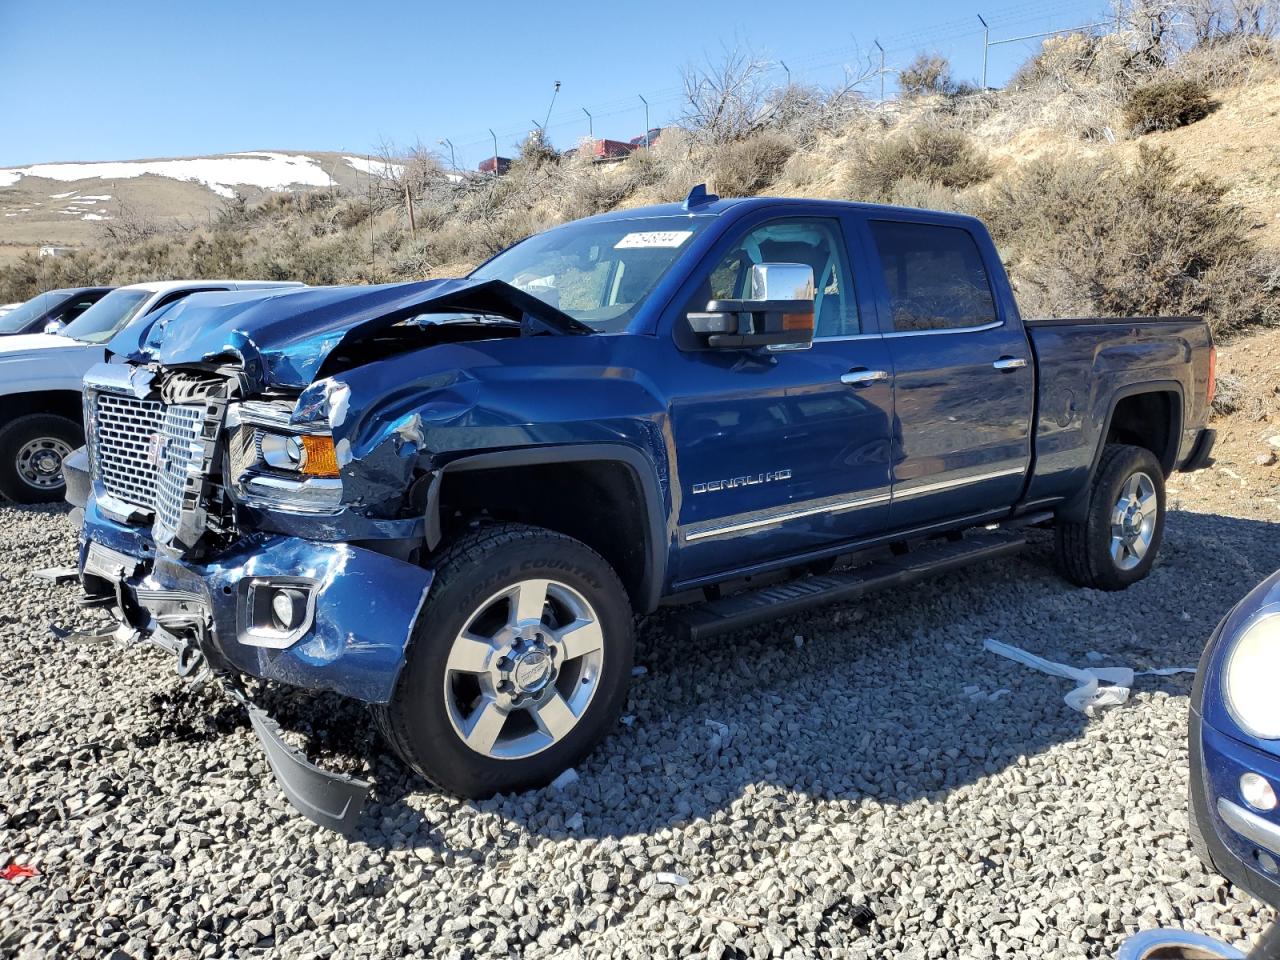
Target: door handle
{"points": [[1010, 363], [861, 378]]}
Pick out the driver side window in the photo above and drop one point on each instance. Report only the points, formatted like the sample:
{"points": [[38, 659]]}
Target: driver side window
{"points": [[815, 243]]}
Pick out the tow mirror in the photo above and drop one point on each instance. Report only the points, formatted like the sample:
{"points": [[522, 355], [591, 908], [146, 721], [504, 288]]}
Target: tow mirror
{"points": [[779, 312]]}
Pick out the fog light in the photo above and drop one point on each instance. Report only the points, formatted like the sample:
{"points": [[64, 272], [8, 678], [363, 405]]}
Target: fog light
{"points": [[290, 606], [1257, 793], [1266, 861]]}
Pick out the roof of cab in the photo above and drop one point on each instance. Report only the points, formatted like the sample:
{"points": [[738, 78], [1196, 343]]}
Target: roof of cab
{"points": [[720, 207]]}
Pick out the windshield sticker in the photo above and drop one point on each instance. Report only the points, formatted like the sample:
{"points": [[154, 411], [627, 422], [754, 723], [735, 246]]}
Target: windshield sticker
{"points": [[653, 238]]}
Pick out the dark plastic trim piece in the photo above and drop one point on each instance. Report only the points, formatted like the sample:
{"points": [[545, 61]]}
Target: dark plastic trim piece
{"points": [[75, 471], [332, 800], [1202, 453]]}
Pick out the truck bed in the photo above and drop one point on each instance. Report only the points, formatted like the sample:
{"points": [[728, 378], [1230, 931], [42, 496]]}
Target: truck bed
{"points": [[1084, 365]]}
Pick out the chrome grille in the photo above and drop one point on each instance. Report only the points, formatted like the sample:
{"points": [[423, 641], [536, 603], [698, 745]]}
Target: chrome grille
{"points": [[182, 450], [124, 449]]}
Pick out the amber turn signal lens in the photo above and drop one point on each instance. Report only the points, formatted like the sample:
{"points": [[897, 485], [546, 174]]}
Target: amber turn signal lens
{"points": [[321, 459], [797, 321]]}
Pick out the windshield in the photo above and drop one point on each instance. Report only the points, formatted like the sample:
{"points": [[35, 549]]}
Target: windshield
{"points": [[107, 317], [18, 318], [598, 273]]}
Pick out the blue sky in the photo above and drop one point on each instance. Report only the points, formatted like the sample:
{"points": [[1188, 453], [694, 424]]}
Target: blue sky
{"points": [[131, 79]]}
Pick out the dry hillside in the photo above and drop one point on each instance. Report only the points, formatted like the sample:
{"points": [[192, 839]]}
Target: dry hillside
{"points": [[77, 204]]}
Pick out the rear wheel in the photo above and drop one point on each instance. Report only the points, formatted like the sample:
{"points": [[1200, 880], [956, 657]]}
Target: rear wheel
{"points": [[32, 449], [518, 665], [1117, 542]]}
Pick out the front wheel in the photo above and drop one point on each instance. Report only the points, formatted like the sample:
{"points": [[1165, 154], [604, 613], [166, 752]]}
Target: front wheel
{"points": [[518, 664], [32, 449], [1117, 543]]}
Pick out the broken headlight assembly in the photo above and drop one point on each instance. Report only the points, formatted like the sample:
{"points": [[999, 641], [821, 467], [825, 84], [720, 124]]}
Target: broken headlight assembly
{"points": [[280, 465]]}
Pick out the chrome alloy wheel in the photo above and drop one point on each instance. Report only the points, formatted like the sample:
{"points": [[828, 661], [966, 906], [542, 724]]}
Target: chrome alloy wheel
{"points": [[39, 462], [1133, 521], [524, 669]]}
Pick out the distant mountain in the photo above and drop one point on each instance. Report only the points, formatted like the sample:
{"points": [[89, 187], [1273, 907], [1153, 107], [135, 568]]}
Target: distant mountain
{"points": [[66, 204]]}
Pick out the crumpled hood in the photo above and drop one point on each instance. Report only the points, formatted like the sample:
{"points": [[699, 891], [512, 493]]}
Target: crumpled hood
{"points": [[283, 339]]}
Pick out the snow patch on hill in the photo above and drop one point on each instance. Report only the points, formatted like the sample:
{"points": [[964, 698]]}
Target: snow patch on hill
{"points": [[375, 167], [269, 171]]}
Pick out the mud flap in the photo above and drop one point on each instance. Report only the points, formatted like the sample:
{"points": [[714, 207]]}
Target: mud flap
{"points": [[332, 800]]}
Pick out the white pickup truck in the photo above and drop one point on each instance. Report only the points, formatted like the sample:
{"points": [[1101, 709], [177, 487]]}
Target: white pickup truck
{"points": [[41, 419]]}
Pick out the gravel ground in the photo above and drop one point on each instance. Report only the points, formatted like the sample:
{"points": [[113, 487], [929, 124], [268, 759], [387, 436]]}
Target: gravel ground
{"points": [[843, 784]]}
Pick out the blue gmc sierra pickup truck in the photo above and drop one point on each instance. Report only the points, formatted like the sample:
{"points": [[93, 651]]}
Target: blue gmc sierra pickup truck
{"points": [[449, 499]]}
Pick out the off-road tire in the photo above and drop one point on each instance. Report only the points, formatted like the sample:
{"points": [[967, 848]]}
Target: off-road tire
{"points": [[416, 722], [1083, 549], [15, 435]]}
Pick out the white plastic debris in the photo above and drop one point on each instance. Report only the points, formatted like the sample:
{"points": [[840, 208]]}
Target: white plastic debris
{"points": [[673, 879], [639, 671], [798, 640], [1090, 696], [627, 720], [566, 778]]}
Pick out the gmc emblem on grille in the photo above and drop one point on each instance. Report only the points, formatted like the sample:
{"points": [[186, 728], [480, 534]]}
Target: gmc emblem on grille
{"points": [[155, 449]]}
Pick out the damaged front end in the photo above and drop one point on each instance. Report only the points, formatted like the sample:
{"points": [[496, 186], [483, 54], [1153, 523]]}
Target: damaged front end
{"points": [[260, 481], [209, 542]]}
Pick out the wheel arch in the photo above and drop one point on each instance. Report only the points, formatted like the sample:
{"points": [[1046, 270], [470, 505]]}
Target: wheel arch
{"points": [[62, 403], [1160, 403], [619, 482]]}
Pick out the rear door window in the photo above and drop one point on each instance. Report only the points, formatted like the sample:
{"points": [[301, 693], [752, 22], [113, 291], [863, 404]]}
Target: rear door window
{"points": [[933, 275]]}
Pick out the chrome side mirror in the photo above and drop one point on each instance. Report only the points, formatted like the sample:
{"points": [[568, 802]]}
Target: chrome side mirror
{"points": [[778, 313], [782, 281]]}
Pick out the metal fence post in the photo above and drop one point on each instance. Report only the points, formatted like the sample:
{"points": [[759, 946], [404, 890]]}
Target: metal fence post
{"points": [[986, 46], [881, 49]]}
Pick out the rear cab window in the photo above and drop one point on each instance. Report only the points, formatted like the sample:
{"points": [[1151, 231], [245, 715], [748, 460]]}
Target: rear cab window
{"points": [[933, 276]]}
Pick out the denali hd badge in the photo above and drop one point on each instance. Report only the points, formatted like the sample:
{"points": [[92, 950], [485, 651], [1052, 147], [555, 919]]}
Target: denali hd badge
{"points": [[713, 486]]}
